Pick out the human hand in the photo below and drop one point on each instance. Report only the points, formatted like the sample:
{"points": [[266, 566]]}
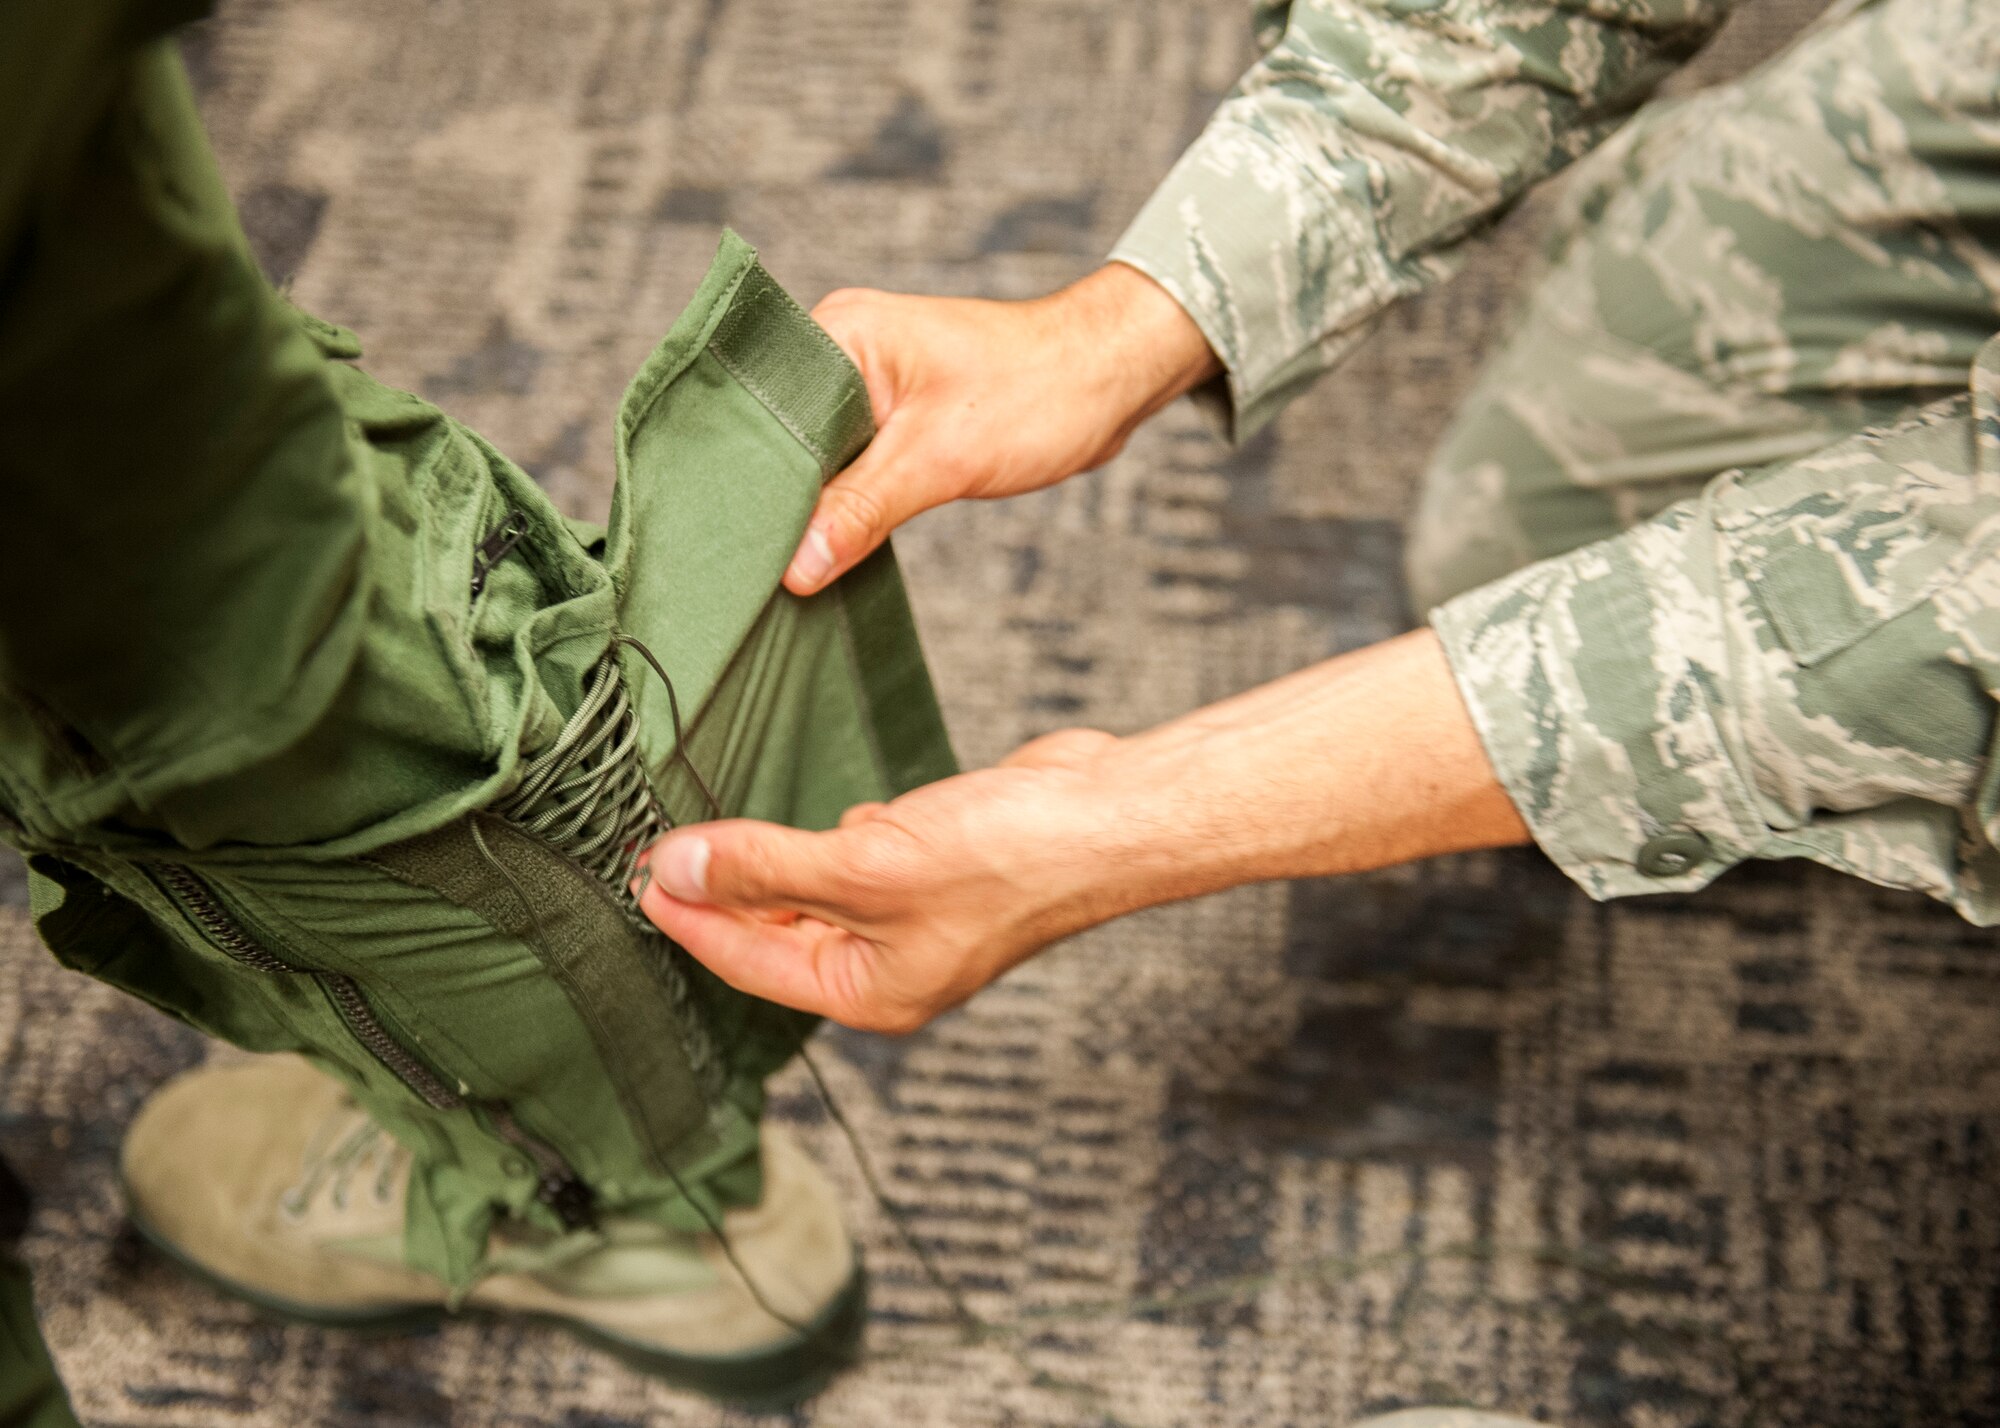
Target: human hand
{"points": [[908, 907], [983, 399]]}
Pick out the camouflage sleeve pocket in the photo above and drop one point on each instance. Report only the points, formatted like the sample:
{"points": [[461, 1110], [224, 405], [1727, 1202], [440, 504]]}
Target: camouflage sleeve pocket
{"points": [[1837, 545]]}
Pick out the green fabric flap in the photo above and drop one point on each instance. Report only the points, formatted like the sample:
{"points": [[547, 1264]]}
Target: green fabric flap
{"points": [[720, 489], [724, 439]]}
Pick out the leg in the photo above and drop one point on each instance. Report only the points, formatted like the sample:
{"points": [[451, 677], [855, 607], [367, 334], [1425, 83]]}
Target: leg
{"points": [[1736, 279], [31, 1396], [338, 740]]}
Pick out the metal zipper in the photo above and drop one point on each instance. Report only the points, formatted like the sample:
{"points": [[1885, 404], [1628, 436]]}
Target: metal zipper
{"points": [[495, 548], [557, 1185], [221, 928], [347, 998]]}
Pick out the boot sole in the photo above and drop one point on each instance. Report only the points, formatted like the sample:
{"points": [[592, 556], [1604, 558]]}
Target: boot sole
{"points": [[769, 1380]]}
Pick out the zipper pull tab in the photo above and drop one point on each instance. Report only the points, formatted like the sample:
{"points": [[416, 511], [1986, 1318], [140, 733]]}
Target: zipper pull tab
{"points": [[495, 548], [571, 1199]]}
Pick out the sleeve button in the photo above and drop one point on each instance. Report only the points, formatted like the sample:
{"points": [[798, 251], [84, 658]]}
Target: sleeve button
{"points": [[1671, 854]]}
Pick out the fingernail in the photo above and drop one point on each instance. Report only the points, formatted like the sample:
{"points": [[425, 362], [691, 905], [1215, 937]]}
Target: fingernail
{"points": [[814, 562], [682, 868]]}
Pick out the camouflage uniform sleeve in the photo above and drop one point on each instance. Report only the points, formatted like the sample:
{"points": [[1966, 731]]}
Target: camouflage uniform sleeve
{"points": [[1800, 662], [1372, 138]]}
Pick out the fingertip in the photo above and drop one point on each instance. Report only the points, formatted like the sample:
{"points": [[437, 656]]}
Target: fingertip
{"points": [[813, 565], [679, 865]]}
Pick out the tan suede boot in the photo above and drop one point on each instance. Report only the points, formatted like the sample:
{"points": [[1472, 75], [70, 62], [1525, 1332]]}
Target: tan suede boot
{"points": [[266, 1179]]}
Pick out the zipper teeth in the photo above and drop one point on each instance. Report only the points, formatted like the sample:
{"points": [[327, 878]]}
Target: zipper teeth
{"points": [[221, 928], [560, 1187], [342, 990], [557, 1185], [509, 1129], [367, 1028], [502, 539]]}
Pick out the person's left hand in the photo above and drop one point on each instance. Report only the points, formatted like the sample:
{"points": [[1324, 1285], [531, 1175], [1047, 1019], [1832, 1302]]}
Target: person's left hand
{"points": [[907, 908], [910, 907]]}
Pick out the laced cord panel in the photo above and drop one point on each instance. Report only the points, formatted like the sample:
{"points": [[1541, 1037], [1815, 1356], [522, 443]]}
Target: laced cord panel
{"points": [[588, 796], [587, 793]]}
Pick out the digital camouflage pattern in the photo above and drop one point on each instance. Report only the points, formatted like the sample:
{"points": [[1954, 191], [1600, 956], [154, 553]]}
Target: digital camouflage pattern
{"points": [[1371, 138], [1800, 662], [1736, 279], [1790, 276]]}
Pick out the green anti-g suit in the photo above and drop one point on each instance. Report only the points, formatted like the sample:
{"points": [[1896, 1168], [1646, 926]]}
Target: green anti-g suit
{"points": [[325, 732]]}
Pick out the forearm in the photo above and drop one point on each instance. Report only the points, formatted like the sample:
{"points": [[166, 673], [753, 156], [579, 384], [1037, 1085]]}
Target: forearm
{"points": [[910, 907], [1134, 342], [1363, 761]]}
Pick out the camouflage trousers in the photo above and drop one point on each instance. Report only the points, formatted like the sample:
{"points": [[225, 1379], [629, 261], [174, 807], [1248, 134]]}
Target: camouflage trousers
{"points": [[1731, 282], [1713, 545]]}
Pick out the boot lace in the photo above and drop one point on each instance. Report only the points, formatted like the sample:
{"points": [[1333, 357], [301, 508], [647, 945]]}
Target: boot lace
{"points": [[337, 1161]]}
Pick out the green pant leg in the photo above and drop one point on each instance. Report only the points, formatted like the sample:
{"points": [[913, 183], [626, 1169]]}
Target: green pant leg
{"points": [[311, 635], [1738, 278], [31, 1396]]}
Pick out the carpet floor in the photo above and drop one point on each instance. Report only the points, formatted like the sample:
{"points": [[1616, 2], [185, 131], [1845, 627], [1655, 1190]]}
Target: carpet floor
{"points": [[1448, 1133]]}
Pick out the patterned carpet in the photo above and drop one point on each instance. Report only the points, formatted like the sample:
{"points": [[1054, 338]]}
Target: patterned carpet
{"points": [[1449, 1133]]}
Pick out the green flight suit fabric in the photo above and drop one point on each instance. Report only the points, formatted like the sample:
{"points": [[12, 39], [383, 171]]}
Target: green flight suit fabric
{"points": [[285, 654], [1795, 275], [31, 1396]]}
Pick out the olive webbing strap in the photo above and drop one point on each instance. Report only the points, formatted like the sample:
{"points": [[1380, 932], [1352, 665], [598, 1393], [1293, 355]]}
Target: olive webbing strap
{"points": [[786, 361], [572, 923], [772, 346]]}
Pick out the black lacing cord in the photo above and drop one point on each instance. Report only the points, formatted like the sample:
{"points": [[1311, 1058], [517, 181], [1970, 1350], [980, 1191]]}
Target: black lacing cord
{"points": [[674, 713], [971, 1327]]}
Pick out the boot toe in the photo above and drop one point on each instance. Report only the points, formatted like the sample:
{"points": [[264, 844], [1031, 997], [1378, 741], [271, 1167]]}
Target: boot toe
{"points": [[206, 1167]]}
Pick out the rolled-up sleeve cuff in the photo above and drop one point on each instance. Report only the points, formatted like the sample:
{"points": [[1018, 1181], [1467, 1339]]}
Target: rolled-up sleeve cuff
{"points": [[1598, 684], [1279, 271]]}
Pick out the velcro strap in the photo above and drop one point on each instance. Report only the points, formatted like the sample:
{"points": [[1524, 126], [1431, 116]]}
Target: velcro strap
{"points": [[786, 360]]}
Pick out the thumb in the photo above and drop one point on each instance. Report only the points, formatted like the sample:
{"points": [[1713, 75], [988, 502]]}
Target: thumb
{"points": [[856, 512], [744, 865]]}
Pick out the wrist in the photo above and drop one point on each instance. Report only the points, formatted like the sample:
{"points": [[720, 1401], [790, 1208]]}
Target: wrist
{"points": [[1133, 344]]}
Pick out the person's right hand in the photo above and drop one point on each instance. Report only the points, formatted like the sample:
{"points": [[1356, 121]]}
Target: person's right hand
{"points": [[985, 399]]}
